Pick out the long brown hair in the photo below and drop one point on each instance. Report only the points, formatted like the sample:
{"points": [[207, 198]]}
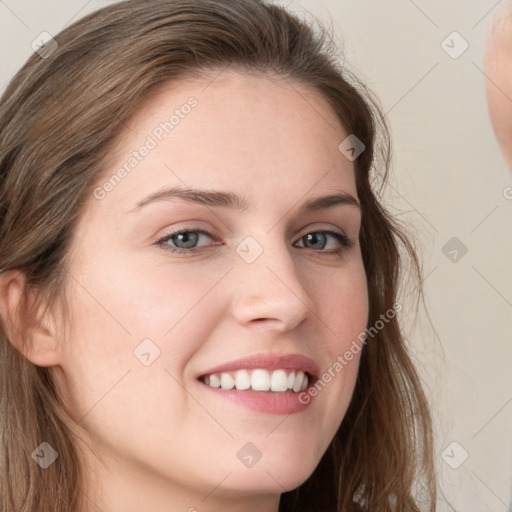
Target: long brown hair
{"points": [[58, 118]]}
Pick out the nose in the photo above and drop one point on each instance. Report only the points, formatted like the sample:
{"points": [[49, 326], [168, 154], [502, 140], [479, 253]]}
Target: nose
{"points": [[271, 292]]}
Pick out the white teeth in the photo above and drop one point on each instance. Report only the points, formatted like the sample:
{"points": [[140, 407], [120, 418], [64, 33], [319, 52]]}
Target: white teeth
{"points": [[298, 381], [279, 381], [259, 380], [226, 381], [242, 380], [214, 381], [291, 380]]}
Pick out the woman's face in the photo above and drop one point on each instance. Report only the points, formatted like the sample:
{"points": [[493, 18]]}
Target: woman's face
{"points": [[148, 323], [498, 70]]}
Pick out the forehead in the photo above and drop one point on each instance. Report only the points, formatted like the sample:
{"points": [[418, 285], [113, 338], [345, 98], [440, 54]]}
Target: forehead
{"points": [[245, 131]]}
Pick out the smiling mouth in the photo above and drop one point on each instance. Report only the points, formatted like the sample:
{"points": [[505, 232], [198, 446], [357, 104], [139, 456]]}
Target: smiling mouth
{"points": [[260, 379]]}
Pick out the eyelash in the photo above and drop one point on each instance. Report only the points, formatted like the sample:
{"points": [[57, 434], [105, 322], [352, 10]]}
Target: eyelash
{"points": [[345, 242]]}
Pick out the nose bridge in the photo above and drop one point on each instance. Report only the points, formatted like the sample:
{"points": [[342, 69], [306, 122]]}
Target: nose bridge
{"points": [[268, 284]]}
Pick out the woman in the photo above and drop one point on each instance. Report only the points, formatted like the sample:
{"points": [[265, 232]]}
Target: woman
{"points": [[199, 286], [498, 85]]}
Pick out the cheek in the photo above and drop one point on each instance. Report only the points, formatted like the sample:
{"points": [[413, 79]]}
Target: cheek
{"points": [[343, 303], [121, 321], [121, 315], [344, 306], [140, 301]]}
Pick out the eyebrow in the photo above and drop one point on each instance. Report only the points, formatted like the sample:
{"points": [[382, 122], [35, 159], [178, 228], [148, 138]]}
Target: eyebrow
{"points": [[234, 201]]}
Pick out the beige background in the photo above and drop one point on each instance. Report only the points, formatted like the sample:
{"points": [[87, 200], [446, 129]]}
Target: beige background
{"points": [[449, 181]]}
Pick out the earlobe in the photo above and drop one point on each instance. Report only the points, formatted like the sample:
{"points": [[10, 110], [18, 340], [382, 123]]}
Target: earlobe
{"points": [[34, 337]]}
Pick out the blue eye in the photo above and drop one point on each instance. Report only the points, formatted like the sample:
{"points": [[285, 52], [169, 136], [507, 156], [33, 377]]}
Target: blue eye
{"points": [[185, 241], [321, 238]]}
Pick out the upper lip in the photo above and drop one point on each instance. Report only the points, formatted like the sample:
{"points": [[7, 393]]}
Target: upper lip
{"points": [[267, 362]]}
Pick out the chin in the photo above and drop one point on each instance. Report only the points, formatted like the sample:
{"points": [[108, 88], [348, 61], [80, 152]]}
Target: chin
{"points": [[280, 468], [276, 480]]}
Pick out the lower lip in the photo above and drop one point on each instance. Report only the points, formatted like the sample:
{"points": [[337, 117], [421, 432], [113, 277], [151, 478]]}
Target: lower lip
{"points": [[269, 402]]}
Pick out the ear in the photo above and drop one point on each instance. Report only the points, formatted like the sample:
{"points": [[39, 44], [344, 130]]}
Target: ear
{"points": [[33, 336]]}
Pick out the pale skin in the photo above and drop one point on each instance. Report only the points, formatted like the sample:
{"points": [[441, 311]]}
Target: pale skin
{"points": [[166, 442], [498, 70]]}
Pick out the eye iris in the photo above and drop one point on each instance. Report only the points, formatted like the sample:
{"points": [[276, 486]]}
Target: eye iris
{"points": [[315, 237], [189, 239]]}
